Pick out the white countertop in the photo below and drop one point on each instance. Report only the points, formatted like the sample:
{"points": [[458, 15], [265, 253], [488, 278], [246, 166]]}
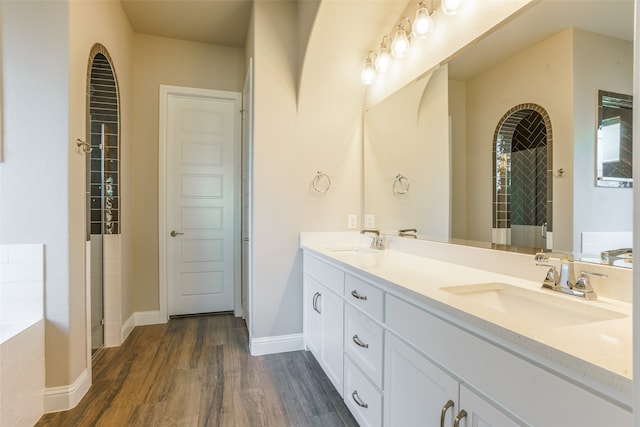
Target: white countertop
{"points": [[596, 354]]}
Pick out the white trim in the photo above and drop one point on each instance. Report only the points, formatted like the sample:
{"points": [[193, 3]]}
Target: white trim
{"points": [[88, 328], [276, 344], [149, 318], [63, 398], [127, 328], [165, 92], [141, 318]]}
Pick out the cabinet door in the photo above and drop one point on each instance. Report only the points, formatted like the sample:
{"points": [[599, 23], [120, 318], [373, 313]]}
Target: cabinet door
{"points": [[480, 413], [415, 390], [332, 309], [312, 316]]}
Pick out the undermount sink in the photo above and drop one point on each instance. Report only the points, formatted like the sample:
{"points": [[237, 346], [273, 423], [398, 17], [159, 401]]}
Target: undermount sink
{"points": [[540, 307]]}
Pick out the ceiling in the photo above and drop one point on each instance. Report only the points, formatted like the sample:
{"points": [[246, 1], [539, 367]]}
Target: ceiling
{"points": [[539, 21], [220, 22]]}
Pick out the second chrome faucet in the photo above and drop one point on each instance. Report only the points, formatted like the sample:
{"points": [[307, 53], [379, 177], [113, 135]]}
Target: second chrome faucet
{"points": [[564, 280]]}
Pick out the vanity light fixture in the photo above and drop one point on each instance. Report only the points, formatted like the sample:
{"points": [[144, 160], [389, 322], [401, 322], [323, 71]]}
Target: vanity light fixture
{"points": [[422, 24], [368, 74], [383, 58], [400, 45], [450, 7]]}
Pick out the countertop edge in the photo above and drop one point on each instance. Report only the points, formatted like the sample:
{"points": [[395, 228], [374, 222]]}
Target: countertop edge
{"points": [[609, 385]]}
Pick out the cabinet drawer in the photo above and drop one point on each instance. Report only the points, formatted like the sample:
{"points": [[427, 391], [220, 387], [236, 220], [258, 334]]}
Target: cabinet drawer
{"points": [[365, 296], [363, 343], [362, 398], [328, 275]]}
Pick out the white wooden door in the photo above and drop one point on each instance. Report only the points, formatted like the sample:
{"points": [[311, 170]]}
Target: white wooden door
{"points": [[201, 137]]}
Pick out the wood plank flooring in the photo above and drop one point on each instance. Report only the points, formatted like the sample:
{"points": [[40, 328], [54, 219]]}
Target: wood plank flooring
{"points": [[197, 371]]}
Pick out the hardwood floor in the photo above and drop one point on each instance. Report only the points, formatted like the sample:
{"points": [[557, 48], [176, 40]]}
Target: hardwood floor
{"points": [[197, 371]]}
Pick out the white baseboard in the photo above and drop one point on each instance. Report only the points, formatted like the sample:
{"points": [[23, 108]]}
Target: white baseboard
{"points": [[63, 398], [141, 318], [127, 327], [277, 344]]}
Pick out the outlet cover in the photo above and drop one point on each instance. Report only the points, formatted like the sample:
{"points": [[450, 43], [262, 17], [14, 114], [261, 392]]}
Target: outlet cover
{"points": [[369, 221], [352, 222]]}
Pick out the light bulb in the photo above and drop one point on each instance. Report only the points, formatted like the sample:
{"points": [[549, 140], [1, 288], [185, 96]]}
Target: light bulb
{"points": [[383, 60], [400, 44], [368, 74], [450, 7], [423, 24]]}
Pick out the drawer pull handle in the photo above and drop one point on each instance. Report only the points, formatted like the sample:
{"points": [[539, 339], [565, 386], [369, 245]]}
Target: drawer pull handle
{"points": [[358, 401], [316, 296], [355, 294], [462, 414], [445, 408], [359, 342]]}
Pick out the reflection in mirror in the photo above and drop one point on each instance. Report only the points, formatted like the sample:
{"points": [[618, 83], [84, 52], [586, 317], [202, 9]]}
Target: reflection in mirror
{"points": [[522, 198], [553, 54], [615, 150], [407, 159]]}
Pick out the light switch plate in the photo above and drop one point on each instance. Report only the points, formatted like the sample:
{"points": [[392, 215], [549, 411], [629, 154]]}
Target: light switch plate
{"points": [[352, 221], [369, 221]]}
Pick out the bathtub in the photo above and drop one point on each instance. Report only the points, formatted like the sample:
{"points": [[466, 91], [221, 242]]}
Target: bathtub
{"points": [[22, 366], [22, 376]]}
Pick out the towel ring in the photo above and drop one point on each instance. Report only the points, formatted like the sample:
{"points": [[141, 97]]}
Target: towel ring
{"points": [[86, 147], [401, 184], [321, 182]]}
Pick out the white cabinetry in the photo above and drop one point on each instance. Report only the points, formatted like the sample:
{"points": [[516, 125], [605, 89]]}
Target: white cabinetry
{"points": [[475, 411], [417, 393], [397, 362], [362, 398], [323, 313]]}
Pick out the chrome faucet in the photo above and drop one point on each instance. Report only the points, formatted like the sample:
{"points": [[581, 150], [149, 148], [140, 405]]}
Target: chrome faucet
{"points": [[377, 242], [408, 232], [611, 256], [564, 281]]}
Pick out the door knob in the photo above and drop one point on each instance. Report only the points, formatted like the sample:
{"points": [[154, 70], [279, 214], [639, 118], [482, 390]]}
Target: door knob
{"points": [[174, 233]]}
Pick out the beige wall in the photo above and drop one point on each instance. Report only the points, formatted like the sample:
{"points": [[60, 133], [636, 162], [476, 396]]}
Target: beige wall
{"points": [[562, 74], [600, 63], [45, 113], [34, 199], [170, 62], [458, 115], [296, 134], [408, 134], [113, 31], [546, 71]]}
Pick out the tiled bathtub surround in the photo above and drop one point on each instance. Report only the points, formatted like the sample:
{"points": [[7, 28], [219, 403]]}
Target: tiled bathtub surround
{"points": [[594, 242], [21, 334]]}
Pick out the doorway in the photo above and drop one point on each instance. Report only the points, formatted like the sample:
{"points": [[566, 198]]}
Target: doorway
{"points": [[522, 165], [199, 210], [102, 185]]}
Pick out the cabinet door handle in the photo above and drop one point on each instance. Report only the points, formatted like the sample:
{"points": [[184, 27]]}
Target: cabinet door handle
{"points": [[462, 414], [316, 296], [359, 342], [357, 399], [355, 294], [445, 408]]}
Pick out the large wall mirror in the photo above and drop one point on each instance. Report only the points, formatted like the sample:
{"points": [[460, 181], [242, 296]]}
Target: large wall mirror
{"points": [[440, 132]]}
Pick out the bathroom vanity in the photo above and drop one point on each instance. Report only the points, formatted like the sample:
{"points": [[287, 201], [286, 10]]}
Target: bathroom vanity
{"points": [[410, 339]]}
